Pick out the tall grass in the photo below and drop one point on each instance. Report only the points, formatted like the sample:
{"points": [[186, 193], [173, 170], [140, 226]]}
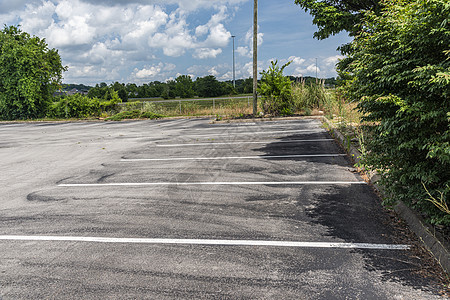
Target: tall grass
{"points": [[220, 106], [314, 96], [307, 97]]}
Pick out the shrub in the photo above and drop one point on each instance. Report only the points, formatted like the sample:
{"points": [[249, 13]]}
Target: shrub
{"points": [[75, 106], [111, 99], [276, 91], [401, 69]]}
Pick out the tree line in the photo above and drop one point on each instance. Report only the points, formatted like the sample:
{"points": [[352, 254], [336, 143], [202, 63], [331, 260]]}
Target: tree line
{"points": [[182, 87]]}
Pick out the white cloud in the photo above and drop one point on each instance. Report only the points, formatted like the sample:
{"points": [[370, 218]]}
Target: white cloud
{"points": [[161, 71], [247, 51], [203, 53], [103, 40], [333, 60], [243, 51], [249, 37], [213, 71], [73, 33], [37, 19], [149, 72], [218, 36], [176, 38], [296, 61]]}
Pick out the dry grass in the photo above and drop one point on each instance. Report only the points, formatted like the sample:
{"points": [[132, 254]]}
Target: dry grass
{"points": [[218, 107]]}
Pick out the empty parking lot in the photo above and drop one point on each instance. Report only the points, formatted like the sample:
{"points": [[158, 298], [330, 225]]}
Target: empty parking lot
{"points": [[186, 209]]}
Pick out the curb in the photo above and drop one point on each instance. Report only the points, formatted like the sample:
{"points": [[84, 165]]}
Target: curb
{"points": [[432, 240]]}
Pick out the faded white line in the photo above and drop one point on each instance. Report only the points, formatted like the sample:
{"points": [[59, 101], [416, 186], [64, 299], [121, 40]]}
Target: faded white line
{"points": [[136, 184], [243, 142], [259, 132], [231, 157], [205, 242], [254, 125]]}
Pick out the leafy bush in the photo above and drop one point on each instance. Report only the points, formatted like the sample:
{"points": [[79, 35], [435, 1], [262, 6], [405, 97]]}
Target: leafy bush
{"points": [[401, 68], [112, 99], [276, 91], [75, 106]]}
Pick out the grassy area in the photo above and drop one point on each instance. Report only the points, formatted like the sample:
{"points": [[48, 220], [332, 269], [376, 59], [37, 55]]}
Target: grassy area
{"points": [[198, 107], [308, 99]]}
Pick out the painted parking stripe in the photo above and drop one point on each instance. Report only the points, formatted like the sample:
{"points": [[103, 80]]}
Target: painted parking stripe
{"points": [[243, 142], [231, 157], [260, 132], [254, 125], [211, 242], [137, 184]]}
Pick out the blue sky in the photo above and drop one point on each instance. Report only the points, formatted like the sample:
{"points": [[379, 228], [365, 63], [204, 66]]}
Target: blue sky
{"points": [[146, 40]]}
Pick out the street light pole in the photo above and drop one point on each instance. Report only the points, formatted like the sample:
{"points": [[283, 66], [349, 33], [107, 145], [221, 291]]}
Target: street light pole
{"points": [[255, 57], [234, 70], [317, 76]]}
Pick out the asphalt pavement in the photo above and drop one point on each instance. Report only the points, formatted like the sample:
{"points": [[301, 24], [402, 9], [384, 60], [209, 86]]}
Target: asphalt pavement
{"points": [[186, 209]]}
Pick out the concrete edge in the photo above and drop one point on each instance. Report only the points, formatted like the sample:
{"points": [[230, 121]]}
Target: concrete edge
{"points": [[436, 245]]}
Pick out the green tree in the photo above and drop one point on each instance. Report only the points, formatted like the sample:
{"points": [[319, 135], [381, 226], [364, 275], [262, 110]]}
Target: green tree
{"points": [[276, 90], [247, 86], [30, 73], [334, 16], [184, 86], [227, 89], [131, 90], [401, 76], [97, 91], [208, 86], [121, 90]]}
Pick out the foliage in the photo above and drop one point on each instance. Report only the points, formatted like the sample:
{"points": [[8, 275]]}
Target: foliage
{"points": [[169, 90], [276, 91], [401, 69], [105, 92], [134, 114], [244, 86], [184, 86], [80, 106], [121, 91], [29, 74], [75, 106], [334, 16], [309, 96], [209, 86], [110, 101], [80, 87]]}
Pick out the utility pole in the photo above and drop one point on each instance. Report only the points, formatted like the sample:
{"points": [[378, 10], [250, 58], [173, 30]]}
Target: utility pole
{"points": [[255, 57], [234, 70]]}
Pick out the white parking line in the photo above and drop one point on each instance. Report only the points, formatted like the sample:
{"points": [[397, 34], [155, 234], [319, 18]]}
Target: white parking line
{"points": [[231, 157], [260, 132], [206, 242], [136, 184], [254, 125], [243, 142]]}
